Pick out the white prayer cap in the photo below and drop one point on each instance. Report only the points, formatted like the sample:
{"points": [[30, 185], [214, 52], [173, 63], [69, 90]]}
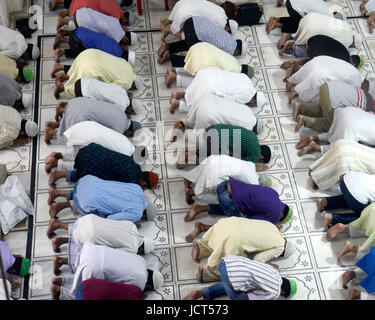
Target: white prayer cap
{"points": [[261, 99], [132, 19], [244, 48], [131, 58], [138, 82], [357, 40], [27, 100], [148, 245], [133, 38], [71, 25], [260, 126], [136, 104], [265, 180], [157, 279], [290, 248], [233, 25], [151, 212], [340, 16], [273, 154], [35, 53], [31, 128]]}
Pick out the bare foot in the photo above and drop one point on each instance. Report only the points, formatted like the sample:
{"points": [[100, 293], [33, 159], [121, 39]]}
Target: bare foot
{"points": [[296, 110], [289, 85], [353, 294], [61, 22], [333, 232], [194, 211], [57, 281], [312, 146], [48, 134], [292, 96], [56, 207], [279, 3], [194, 295], [287, 46], [195, 252], [58, 54], [56, 68], [170, 77], [52, 195], [52, 227], [60, 77], [304, 142], [346, 277], [55, 292], [57, 263], [348, 247], [174, 105], [59, 39], [287, 64], [59, 89], [260, 167], [52, 179], [166, 56], [197, 230], [189, 193], [321, 203], [57, 242], [200, 274], [300, 123], [51, 164], [282, 40], [162, 49], [327, 218], [52, 5], [270, 25]]}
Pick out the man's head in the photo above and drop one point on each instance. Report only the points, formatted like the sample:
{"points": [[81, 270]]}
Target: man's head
{"points": [[241, 48], [21, 267], [357, 61], [148, 179], [130, 38], [248, 70], [289, 249], [134, 126], [287, 214], [357, 41], [131, 17], [266, 154], [30, 128], [138, 83], [148, 245], [32, 52], [154, 280], [288, 287], [258, 100], [230, 10], [130, 109], [231, 26], [259, 127]]}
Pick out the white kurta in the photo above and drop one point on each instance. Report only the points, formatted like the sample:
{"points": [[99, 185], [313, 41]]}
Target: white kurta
{"points": [[211, 110], [361, 186], [121, 235], [12, 43], [212, 80], [351, 124], [370, 6], [319, 70], [107, 92], [303, 7], [99, 22], [86, 132], [109, 264], [184, 9], [218, 168], [318, 24]]}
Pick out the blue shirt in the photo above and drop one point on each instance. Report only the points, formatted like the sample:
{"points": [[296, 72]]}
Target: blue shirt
{"points": [[94, 40], [110, 199]]}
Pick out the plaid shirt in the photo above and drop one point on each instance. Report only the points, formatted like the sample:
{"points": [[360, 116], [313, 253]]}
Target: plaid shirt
{"points": [[10, 126]]}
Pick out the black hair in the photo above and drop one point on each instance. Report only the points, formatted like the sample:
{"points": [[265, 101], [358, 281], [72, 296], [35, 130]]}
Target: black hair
{"points": [[17, 265], [356, 60], [127, 34], [29, 50], [23, 125], [285, 212], [286, 287], [265, 151], [150, 281], [239, 46]]}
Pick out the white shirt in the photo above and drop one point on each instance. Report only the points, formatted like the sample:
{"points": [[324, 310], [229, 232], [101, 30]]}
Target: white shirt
{"points": [[12, 43], [370, 6], [111, 233], [107, 92], [212, 80], [184, 9], [86, 132], [211, 110], [99, 22], [304, 7], [361, 186], [319, 70], [109, 264]]}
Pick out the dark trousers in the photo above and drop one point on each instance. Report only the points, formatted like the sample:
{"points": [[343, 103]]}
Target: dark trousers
{"points": [[66, 68], [291, 23], [346, 200], [76, 47], [67, 3], [77, 89]]}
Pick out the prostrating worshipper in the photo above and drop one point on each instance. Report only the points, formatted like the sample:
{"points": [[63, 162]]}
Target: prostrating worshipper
{"points": [[357, 193], [234, 141], [101, 23], [93, 63], [342, 157], [232, 86], [368, 7], [203, 55], [86, 109], [107, 165], [244, 279], [113, 200], [335, 95], [121, 234], [363, 274], [245, 14], [66, 3], [13, 45], [98, 289], [15, 131], [185, 9], [348, 123], [313, 74], [252, 201], [15, 70], [115, 265], [364, 226], [11, 94], [213, 171], [318, 24], [297, 9], [108, 7], [240, 237], [199, 29], [82, 39], [13, 263], [211, 110]]}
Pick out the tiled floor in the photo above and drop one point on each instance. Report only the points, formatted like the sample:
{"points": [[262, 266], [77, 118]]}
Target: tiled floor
{"points": [[314, 266]]}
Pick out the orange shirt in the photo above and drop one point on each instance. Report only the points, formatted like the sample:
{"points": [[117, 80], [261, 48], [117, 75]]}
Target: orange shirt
{"points": [[109, 7]]}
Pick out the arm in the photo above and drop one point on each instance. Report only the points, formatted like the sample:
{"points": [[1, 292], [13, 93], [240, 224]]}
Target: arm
{"points": [[269, 254], [129, 215]]}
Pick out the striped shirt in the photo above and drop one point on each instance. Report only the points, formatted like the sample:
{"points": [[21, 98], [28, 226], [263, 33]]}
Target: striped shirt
{"points": [[263, 280], [343, 94], [10, 126]]}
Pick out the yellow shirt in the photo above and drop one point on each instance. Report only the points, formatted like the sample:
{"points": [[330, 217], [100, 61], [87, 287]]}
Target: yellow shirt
{"points": [[93, 63], [203, 54], [8, 67], [241, 236], [366, 222]]}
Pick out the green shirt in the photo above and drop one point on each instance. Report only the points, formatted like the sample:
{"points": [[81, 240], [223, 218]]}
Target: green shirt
{"points": [[247, 142]]}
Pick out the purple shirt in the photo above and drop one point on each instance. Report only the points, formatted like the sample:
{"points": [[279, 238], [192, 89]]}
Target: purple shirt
{"points": [[6, 254], [256, 202]]}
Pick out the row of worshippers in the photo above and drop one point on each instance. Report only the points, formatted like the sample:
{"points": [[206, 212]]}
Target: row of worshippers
{"points": [[338, 102], [107, 255]]}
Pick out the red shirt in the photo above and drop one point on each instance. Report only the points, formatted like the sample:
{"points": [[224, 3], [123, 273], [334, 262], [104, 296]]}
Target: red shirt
{"points": [[109, 7]]}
